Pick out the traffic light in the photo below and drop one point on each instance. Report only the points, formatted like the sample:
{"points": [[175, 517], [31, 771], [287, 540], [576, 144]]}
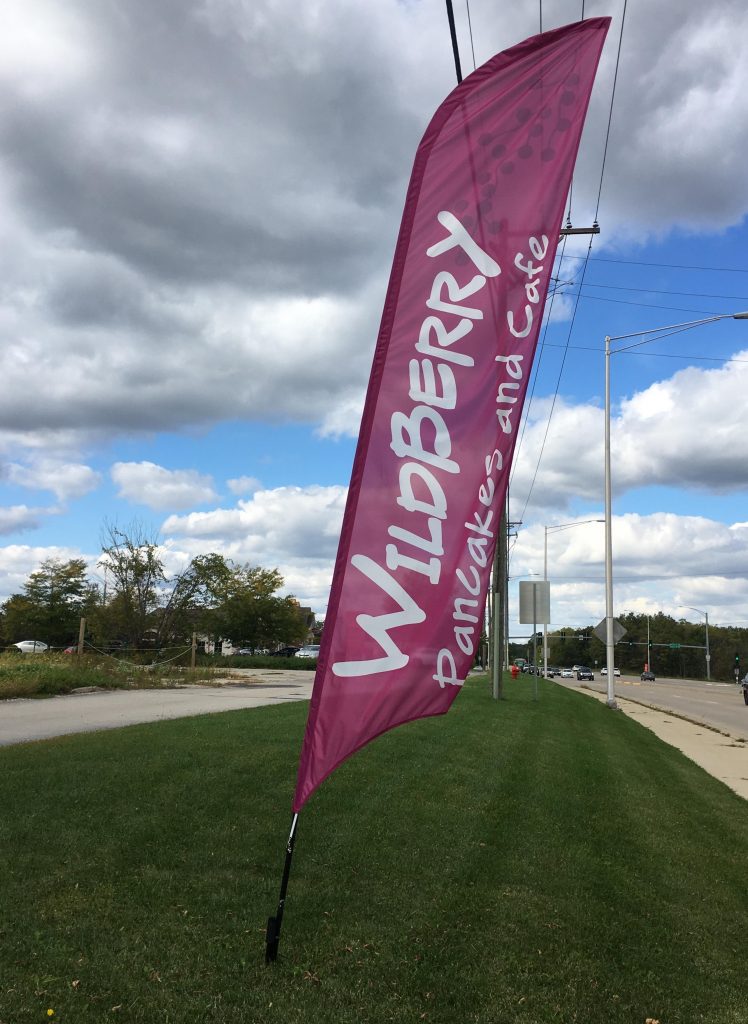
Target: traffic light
{"points": [[737, 660]]}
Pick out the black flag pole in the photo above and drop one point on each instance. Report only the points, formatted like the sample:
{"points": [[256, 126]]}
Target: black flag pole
{"points": [[453, 34], [272, 935]]}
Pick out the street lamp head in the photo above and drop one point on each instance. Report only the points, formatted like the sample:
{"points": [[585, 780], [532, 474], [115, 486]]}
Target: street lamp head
{"points": [[658, 331]]}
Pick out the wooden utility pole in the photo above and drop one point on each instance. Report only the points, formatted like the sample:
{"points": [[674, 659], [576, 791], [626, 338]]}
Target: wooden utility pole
{"points": [[499, 614], [193, 654], [81, 636]]}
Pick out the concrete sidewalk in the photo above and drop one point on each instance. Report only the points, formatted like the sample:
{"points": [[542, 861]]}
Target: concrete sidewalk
{"points": [[725, 757]]}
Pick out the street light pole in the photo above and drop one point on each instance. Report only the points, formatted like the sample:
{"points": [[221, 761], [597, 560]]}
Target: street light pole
{"points": [[657, 332], [609, 644], [708, 655], [547, 529]]}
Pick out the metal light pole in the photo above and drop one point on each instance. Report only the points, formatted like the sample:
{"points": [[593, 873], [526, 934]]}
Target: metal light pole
{"points": [[657, 332], [708, 655], [552, 529]]}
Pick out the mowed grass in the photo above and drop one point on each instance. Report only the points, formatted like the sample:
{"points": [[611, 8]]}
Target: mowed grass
{"points": [[521, 861]]}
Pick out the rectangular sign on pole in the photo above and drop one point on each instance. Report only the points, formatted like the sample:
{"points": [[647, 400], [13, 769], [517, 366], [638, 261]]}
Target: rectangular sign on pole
{"points": [[465, 300], [534, 601]]}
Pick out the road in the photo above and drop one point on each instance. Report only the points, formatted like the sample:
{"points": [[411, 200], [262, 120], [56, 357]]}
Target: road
{"points": [[719, 705], [24, 720]]}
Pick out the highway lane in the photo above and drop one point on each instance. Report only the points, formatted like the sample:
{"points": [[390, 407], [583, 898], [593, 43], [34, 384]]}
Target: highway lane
{"points": [[719, 705]]}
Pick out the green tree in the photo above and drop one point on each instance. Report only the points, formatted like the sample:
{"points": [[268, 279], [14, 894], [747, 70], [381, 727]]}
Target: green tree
{"points": [[242, 605], [19, 619], [50, 608], [136, 575]]}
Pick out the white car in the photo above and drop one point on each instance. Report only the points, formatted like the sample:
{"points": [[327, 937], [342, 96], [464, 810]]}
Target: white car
{"points": [[604, 672], [310, 651], [31, 646], [567, 673]]}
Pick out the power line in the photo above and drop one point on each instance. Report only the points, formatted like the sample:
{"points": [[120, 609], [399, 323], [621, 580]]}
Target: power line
{"points": [[470, 32], [610, 114], [658, 355], [664, 291], [665, 266], [653, 576], [584, 271], [647, 305]]}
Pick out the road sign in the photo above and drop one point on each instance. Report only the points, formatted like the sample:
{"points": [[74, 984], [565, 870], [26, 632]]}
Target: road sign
{"points": [[535, 602], [601, 631], [674, 647]]}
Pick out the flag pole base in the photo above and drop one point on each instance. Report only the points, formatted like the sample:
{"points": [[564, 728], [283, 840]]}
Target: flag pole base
{"points": [[273, 932]]}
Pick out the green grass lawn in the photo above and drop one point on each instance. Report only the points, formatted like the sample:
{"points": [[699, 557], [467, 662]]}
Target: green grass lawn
{"points": [[522, 861]]}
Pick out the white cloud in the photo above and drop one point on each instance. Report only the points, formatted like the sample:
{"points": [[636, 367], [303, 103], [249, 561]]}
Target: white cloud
{"points": [[145, 483], [662, 562], [243, 485], [43, 46], [19, 518], [18, 561], [191, 287], [189, 255], [66, 480], [684, 431], [293, 529], [287, 522]]}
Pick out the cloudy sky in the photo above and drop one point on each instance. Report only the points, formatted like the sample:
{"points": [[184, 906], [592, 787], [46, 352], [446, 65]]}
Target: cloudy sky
{"points": [[199, 203]]}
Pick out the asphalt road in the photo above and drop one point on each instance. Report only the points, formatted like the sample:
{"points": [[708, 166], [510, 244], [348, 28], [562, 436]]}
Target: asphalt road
{"points": [[719, 705]]}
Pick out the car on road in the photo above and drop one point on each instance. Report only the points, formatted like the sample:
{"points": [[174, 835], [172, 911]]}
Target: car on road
{"points": [[616, 672], [566, 673], [284, 652], [31, 646], [647, 677], [308, 651], [585, 673]]}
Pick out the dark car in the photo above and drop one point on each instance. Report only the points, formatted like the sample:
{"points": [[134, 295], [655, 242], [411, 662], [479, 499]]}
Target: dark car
{"points": [[585, 673], [284, 652], [647, 677]]}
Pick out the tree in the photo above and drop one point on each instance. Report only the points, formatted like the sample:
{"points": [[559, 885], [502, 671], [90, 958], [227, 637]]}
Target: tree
{"points": [[212, 595], [54, 599], [130, 557], [242, 605]]}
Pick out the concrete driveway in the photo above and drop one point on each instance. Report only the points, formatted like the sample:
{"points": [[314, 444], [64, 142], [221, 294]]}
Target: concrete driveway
{"points": [[24, 720]]}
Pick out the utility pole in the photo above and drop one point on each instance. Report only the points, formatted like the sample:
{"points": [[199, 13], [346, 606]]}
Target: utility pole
{"points": [[81, 636], [499, 610]]}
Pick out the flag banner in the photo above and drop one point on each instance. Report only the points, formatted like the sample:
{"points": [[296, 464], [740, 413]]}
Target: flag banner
{"points": [[463, 308]]}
